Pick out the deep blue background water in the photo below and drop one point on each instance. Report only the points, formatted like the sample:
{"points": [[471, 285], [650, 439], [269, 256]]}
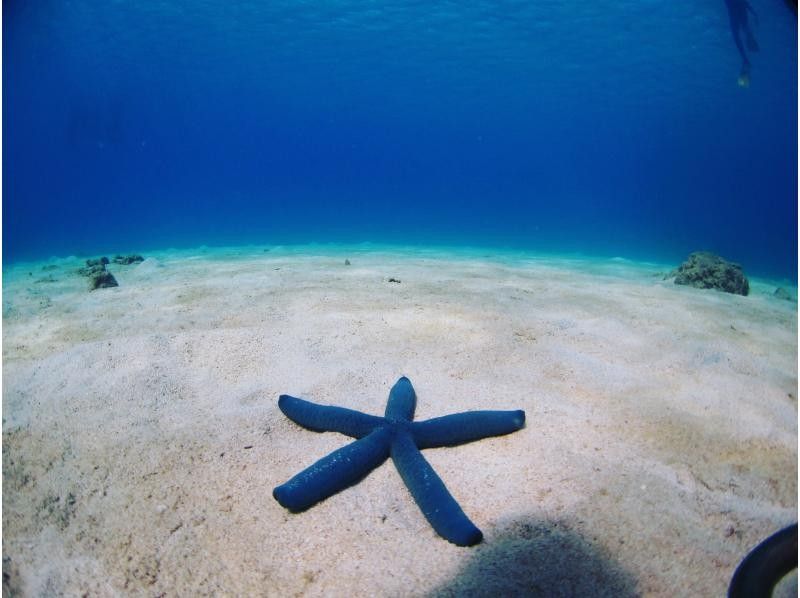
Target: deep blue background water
{"points": [[606, 127]]}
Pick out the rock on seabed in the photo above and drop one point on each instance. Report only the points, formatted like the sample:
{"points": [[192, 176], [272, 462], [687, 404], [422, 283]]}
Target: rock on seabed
{"points": [[706, 270]]}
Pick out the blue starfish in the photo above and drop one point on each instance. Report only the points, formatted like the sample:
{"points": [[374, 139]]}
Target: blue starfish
{"points": [[397, 435]]}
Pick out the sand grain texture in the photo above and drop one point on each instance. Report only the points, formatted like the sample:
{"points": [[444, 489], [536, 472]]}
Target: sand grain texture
{"points": [[661, 437]]}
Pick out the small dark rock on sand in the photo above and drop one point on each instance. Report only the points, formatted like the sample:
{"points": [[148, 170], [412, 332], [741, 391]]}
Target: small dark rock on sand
{"points": [[397, 280], [102, 280], [782, 293], [126, 260], [101, 261], [705, 270], [99, 277], [92, 270]]}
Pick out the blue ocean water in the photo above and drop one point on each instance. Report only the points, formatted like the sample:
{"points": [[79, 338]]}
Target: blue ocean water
{"points": [[613, 127]]}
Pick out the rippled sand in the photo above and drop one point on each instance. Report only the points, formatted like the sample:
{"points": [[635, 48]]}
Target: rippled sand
{"points": [[142, 438]]}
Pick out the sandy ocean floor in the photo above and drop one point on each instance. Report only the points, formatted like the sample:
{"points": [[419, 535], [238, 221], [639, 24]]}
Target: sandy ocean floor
{"points": [[142, 437]]}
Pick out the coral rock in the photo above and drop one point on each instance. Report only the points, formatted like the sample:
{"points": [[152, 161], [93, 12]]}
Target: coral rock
{"points": [[101, 261], [705, 270], [128, 259], [102, 280]]}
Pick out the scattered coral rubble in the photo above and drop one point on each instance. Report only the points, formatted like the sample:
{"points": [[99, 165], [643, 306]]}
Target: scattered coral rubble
{"points": [[99, 277]]}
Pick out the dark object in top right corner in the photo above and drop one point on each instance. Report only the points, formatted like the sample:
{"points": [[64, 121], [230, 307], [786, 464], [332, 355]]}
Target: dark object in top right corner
{"points": [[706, 270]]}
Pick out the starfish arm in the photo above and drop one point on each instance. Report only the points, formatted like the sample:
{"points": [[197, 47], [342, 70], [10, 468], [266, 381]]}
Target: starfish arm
{"points": [[324, 418], [437, 504], [402, 401], [459, 428], [335, 472]]}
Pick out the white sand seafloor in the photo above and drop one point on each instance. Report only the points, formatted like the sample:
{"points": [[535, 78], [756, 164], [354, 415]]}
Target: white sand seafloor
{"points": [[142, 437]]}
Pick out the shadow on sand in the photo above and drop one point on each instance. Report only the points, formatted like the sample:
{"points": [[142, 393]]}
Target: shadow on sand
{"points": [[532, 557]]}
